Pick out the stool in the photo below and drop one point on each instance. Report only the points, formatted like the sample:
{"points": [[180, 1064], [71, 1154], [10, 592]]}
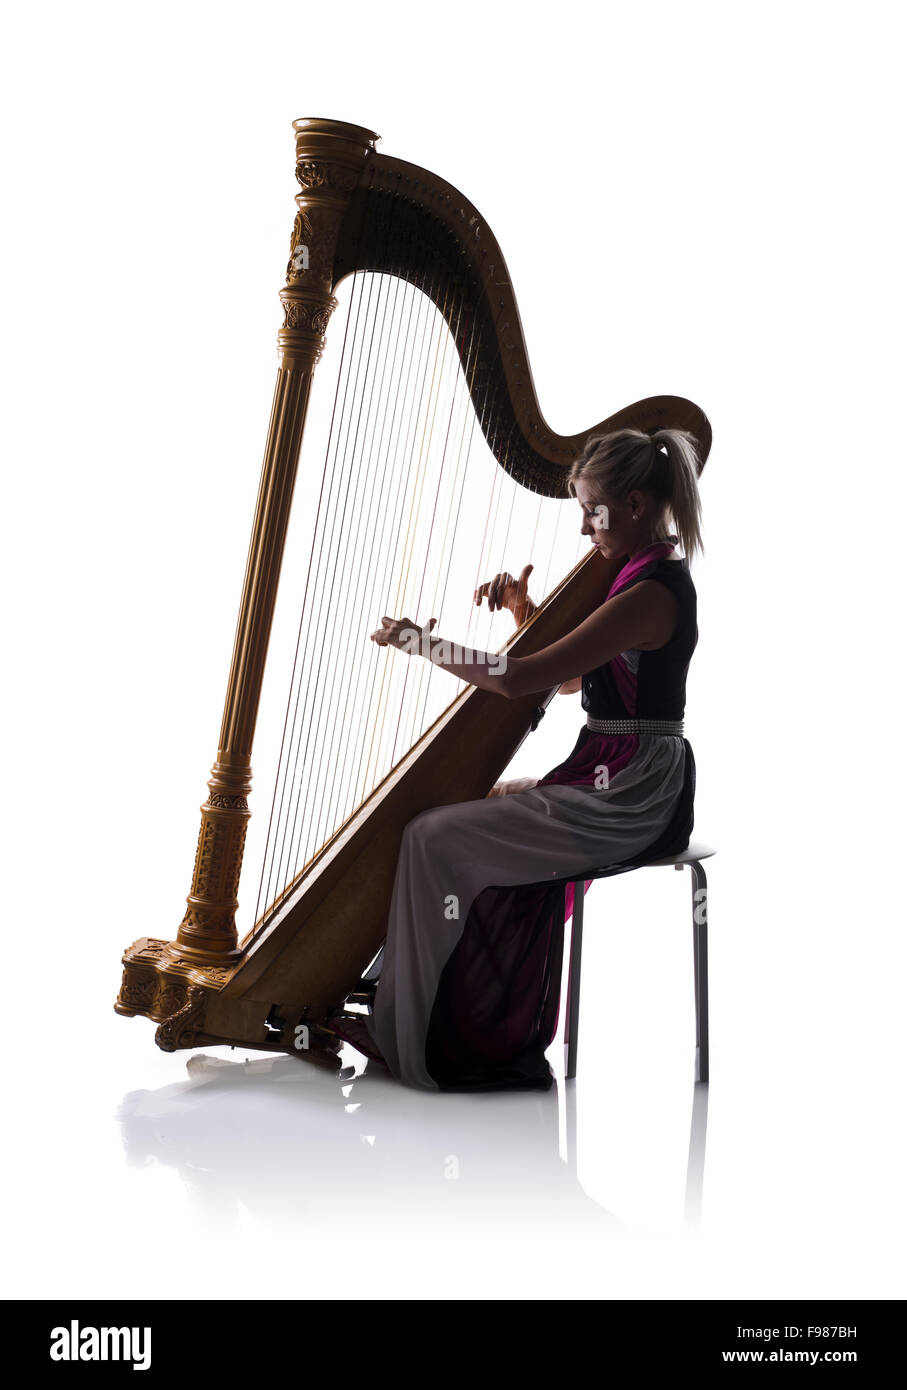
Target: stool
{"points": [[690, 858]]}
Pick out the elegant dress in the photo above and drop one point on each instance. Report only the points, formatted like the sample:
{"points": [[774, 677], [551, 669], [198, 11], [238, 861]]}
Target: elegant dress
{"points": [[469, 975]]}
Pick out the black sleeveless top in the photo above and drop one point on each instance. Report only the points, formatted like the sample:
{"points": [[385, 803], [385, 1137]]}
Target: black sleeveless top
{"points": [[649, 685]]}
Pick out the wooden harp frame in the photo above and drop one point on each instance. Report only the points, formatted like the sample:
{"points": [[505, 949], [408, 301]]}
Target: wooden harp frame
{"points": [[272, 990]]}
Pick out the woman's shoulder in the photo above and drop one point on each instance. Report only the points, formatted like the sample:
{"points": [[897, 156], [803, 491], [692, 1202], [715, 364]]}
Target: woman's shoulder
{"points": [[672, 570], [673, 577]]}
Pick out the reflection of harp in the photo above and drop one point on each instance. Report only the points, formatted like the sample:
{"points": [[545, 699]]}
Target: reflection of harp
{"points": [[415, 251]]}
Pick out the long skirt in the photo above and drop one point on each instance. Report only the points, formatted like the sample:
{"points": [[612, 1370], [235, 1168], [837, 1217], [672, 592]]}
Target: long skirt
{"points": [[469, 975]]}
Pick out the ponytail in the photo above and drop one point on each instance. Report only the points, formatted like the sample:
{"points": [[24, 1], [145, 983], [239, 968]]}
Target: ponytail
{"points": [[683, 502], [664, 464]]}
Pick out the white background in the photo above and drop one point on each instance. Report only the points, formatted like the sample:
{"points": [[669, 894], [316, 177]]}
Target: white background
{"points": [[701, 199]]}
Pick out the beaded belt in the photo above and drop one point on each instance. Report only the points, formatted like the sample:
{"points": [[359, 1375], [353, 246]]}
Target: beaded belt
{"points": [[634, 726]]}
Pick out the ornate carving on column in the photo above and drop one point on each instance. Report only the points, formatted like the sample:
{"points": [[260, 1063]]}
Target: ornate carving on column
{"points": [[208, 930], [329, 161], [305, 321]]}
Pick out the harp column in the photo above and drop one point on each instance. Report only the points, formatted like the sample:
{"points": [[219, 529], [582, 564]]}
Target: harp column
{"points": [[330, 160]]}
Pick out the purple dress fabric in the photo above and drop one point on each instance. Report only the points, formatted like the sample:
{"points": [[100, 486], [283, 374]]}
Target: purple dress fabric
{"points": [[469, 976]]}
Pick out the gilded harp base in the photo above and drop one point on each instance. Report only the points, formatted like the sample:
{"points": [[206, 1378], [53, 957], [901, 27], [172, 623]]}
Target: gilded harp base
{"points": [[184, 1000]]}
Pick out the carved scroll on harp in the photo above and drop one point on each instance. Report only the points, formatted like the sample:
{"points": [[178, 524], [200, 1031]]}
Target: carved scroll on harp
{"points": [[365, 219]]}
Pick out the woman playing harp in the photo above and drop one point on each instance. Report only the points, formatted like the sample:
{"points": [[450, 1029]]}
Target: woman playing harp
{"points": [[468, 977]]}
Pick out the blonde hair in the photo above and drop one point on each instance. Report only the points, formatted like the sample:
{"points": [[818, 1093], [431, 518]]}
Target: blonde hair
{"points": [[628, 460]]}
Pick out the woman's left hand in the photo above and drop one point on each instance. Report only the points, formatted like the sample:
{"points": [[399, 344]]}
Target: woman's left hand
{"points": [[402, 633]]}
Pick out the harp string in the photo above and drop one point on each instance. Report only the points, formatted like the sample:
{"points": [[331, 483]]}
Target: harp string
{"points": [[366, 748], [503, 483], [470, 426], [392, 511], [485, 566], [443, 365], [497, 481], [284, 754], [278, 841], [346, 611], [320, 735], [463, 455], [493, 481], [427, 670], [375, 744], [553, 551], [426, 434], [378, 599], [334, 642], [496, 474], [413, 683], [420, 721], [388, 597], [356, 726], [398, 471], [305, 648], [342, 479], [502, 553]]}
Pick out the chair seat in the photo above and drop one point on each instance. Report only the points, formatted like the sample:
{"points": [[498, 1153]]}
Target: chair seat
{"points": [[693, 854]]}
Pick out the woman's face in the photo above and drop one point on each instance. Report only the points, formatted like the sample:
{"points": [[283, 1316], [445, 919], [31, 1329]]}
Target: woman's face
{"points": [[608, 522]]}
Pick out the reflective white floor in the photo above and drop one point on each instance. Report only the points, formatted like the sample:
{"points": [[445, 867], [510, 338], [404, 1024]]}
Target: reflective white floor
{"points": [[224, 1173]]}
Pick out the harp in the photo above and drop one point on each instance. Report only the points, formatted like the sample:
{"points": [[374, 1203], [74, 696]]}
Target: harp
{"points": [[400, 236]]}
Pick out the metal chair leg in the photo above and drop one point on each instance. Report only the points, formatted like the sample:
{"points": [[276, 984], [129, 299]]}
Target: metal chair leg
{"points": [[701, 968], [571, 1028]]}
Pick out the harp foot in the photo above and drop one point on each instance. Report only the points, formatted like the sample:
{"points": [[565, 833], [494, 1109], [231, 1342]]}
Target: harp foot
{"points": [[183, 1026]]}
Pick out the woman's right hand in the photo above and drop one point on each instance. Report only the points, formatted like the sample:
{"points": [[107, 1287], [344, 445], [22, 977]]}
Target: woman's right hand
{"points": [[506, 592]]}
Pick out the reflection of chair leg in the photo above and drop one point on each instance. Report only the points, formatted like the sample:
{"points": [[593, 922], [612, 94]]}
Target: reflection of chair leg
{"points": [[701, 968], [696, 1158], [569, 1094], [571, 1027]]}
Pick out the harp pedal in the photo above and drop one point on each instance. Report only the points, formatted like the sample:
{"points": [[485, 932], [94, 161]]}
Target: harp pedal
{"points": [[304, 1037], [274, 1024]]}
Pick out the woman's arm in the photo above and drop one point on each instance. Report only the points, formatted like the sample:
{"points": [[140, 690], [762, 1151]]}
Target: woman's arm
{"points": [[644, 617]]}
